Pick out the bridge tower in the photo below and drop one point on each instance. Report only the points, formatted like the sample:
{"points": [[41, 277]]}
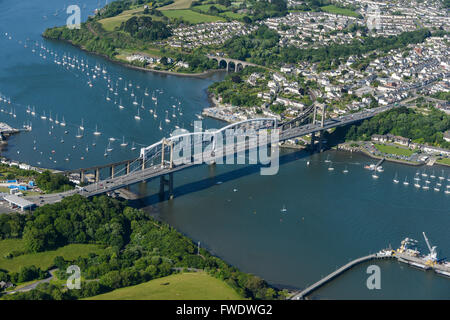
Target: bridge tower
{"points": [[165, 143], [322, 124]]}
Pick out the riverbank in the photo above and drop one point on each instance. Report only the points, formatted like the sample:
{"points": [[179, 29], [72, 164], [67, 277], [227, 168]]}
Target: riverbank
{"points": [[201, 75]]}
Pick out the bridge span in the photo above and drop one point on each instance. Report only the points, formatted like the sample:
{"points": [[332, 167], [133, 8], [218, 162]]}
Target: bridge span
{"points": [[157, 159]]}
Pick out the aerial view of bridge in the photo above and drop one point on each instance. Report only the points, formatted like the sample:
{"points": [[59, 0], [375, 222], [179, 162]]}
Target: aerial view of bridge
{"points": [[157, 160]]}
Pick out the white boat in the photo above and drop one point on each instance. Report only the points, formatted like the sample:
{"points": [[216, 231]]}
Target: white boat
{"points": [[109, 148], [137, 117], [79, 135], [96, 132], [330, 168], [133, 147], [375, 176], [396, 179], [63, 123], [81, 126], [43, 117], [120, 104], [417, 185], [283, 209], [406, 183], [345, 170], [123, 144]]}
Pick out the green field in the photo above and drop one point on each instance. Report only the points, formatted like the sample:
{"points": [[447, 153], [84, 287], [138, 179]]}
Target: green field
{"points": [[232, 15], [445, 161], [394, 150], [42, 260], [178, 4], [109, 24], [191, 16], [182, 286], [205, 7], [341, 11]]}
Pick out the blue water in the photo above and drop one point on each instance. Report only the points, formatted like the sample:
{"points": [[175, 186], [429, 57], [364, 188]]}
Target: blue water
{"points": [[331, 217]]}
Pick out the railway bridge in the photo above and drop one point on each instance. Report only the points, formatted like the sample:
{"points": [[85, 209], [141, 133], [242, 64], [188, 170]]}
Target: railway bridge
{"points": [[159, 159]]}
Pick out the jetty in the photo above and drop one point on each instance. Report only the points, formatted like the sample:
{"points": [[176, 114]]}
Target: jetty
{"points": [[406, 253], [301, 295]]}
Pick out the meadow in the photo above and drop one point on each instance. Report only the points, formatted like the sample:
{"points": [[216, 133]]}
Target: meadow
{"points": [[43, 260], [181, 286]]}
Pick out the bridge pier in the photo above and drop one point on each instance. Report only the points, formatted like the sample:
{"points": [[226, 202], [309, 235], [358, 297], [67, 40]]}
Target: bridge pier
{"points": [[97, 175], [320, 140], [82, 176], [127, 170], [162, 184], [111, 171], [313, 142]]}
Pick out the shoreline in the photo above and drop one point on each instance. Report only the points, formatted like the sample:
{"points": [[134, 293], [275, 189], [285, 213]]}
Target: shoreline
{"points": [[201, 75]]}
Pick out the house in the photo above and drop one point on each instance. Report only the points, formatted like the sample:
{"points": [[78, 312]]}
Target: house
{"points": [[447, 135]]}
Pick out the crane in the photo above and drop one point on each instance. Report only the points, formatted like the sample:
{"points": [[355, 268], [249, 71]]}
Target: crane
{"points": [[433, 255]]}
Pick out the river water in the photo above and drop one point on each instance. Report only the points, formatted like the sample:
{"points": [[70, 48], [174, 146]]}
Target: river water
{"points": [[236, 213]]}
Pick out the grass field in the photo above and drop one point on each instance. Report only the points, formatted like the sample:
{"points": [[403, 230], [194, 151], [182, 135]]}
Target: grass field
{"points": [[42, 260], [191, 16], [178, 4], [205, 7], [341, 11], [394, 150], [109, 24], [182, 286], [445, 161], [232, 15]]}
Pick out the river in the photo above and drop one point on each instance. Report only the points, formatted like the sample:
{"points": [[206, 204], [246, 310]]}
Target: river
{"points": [[236, 213]]}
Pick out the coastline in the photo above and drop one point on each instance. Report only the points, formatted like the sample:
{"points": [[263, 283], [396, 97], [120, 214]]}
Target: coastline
{"points": [[201, 75]]}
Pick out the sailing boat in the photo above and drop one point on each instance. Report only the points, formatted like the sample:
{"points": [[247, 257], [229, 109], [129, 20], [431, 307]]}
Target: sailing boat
{"points": [[120, 104], [432, 175], [109, 148], [447, 191], [137, 117], [63, 123], [146, 92], [345, 170], [133, 147], [79, 135], [328, 160], [43, 117], [283, 209], [135, 102], [96, 132], [406, 181], [82, 126], [395, 178], [441, 177], [123, 144], [107, 97], [330, 168], [436, 188], [426, 187]]}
